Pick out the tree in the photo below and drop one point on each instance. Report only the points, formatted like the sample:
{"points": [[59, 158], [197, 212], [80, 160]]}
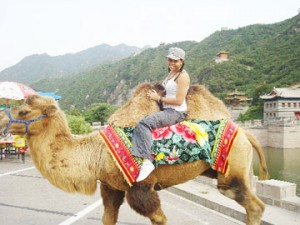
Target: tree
{"points": [[99, 112], [74, 112], [254, 112], [78, 125], [256, 109], [260, 90]]}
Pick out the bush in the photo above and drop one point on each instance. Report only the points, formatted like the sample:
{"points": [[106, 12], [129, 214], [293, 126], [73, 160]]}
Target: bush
{"points": [[253, 113], [99, 112], [78, 125]]}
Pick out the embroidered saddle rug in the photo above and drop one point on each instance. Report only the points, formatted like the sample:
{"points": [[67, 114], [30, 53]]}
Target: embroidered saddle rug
{"points": [[187, 141]]}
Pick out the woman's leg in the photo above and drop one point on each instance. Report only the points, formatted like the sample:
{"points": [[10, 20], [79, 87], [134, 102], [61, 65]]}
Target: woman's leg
{"points": [[142, 139]]}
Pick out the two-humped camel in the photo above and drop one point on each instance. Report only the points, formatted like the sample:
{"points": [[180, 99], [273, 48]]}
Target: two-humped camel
{"points": [[75, 163]]}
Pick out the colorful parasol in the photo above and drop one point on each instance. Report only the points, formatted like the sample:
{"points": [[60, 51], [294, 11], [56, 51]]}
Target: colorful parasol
{"points": [[13, 93], [15, 90]]}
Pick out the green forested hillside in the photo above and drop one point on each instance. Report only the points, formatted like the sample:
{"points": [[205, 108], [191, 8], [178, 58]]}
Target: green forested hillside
{"points": [[260, 55]]}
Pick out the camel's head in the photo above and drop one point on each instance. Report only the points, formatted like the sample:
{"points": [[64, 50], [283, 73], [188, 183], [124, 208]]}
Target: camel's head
{"points": [[137, 106], [27, 116], [141, 93], [143, 88]]}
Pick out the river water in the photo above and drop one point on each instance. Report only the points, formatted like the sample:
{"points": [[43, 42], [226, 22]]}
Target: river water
{"points": [[283, 164]]}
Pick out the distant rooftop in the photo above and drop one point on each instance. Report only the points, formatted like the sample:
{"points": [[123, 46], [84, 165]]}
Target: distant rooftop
{"points": [[282, 93]]}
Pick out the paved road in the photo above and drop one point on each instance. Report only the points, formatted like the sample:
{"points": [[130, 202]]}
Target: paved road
{"points": [[27, 198]]}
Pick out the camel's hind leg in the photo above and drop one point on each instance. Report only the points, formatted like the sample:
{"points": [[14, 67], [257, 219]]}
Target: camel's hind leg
{"points": [[112, 200], [237, 189], [236, 185], [145, 200]]}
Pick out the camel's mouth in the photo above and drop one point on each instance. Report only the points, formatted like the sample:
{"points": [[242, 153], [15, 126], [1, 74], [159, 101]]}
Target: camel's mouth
{"points": [[4, 127]]}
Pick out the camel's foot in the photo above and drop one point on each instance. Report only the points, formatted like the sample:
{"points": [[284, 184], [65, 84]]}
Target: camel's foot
{"points": [[145, 201]]}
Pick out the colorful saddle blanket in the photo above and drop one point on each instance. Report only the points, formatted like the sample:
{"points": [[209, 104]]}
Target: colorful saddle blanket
{"points": [[187, 141]]}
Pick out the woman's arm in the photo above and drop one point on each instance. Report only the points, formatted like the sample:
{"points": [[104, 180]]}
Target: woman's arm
{"points": [[183, 82]]}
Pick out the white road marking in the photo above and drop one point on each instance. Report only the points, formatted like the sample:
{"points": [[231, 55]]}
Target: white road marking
{"points": [[16, 171], [82, 213]]}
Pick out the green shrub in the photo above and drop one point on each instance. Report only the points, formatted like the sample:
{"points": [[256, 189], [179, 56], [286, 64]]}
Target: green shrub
{"points": [[253, 113], [99, 112], [78, 125]]}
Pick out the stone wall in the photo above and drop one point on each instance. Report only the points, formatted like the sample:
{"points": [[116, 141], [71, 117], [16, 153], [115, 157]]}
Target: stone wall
{"points": [[284, 137], [279, 134], [278, 193], [97, 126], [272, 192]]}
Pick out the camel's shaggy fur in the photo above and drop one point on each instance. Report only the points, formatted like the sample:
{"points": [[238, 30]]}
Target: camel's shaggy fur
{"points": [[203, 105], [75, 163]]}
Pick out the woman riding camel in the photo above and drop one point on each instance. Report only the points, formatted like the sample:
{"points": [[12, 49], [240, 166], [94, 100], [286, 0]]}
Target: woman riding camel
{"points": [[174, 110]]}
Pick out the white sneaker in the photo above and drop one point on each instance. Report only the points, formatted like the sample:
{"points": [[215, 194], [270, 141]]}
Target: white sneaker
{"points": [[146, 168]]}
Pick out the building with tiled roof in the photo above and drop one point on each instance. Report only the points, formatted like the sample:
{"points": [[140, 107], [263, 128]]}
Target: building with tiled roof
{"points": [[222, 56], [282, 103], [237, 98]]}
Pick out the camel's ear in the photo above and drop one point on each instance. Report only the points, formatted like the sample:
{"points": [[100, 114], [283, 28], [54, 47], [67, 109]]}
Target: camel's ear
{"points": [[159, 89], [50, 110], [30, 99]]}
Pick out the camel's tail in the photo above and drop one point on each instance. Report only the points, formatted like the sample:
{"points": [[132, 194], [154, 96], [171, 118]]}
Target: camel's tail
{"points": [[263, 170]]}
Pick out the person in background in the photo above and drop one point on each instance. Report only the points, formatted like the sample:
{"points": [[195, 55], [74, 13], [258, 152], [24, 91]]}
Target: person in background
{"points": [[174, 110]]}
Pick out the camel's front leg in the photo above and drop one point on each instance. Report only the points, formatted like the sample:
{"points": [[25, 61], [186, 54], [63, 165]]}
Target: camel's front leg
{"points": [[145, 200], [112, 200]]}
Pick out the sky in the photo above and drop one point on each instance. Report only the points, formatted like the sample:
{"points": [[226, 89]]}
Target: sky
{"points": [[58, 27]]}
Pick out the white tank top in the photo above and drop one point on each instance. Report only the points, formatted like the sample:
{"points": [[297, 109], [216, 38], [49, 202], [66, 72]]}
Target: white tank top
{"points": [[171, 89]]}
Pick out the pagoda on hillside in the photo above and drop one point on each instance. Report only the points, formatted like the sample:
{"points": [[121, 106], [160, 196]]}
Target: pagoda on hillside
{"points": [[237, 98], [222, 56]]}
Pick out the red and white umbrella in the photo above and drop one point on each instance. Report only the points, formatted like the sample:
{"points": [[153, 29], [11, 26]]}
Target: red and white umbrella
{"points": [[15, 90]]}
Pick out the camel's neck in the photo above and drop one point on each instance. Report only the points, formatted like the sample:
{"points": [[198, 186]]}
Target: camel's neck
{"points": [[69, 162], [48, 139]]}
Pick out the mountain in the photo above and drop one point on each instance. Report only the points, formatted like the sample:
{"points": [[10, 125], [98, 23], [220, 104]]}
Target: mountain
{"points": [[37, 67], [260, 56]]}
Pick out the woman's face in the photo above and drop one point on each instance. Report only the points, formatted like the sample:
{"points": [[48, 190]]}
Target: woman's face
{"points": [[174, 65]]}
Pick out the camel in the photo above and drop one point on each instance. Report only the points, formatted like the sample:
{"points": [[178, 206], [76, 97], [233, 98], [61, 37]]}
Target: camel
{"points": [[75, 163]]}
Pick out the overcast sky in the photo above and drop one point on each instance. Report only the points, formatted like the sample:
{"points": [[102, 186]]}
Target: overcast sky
{"points": [[57, 27]]}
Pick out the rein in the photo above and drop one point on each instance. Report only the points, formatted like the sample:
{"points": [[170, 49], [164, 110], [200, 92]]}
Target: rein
{"points": [[26, 122]]}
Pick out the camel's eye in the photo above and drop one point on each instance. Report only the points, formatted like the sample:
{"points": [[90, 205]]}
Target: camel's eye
{"points": [[23, 113]]}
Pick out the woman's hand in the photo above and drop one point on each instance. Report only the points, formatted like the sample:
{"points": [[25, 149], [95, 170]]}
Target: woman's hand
{"points": [[152, 94]]}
